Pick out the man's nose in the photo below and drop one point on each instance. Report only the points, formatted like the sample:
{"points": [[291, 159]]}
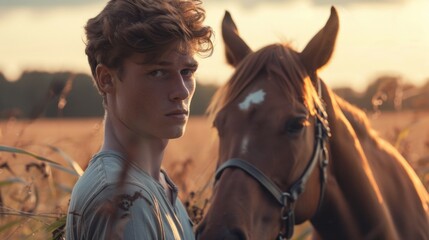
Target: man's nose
{"points": [[180, 89]]}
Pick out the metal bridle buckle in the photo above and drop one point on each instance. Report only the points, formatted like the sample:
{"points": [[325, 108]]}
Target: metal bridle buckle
{"points": [[287, 216], [285, 197]]}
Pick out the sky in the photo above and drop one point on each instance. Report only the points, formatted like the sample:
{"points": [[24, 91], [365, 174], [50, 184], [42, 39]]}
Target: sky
{"points": [[376, 36]]}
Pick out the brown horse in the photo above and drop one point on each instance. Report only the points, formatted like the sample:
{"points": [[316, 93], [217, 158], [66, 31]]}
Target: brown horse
{"points": [[290, 150]]}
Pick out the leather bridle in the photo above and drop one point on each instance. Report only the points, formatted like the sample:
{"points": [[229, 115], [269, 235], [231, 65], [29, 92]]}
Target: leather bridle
{"points": [[287, 199]]}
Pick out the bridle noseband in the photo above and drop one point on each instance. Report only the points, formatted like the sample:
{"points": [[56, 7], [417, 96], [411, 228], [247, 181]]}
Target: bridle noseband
{"points": [[288, 198]]}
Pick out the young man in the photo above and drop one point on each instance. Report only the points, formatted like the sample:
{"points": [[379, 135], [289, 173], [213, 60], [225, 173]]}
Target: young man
{"points": [[141, 56]]}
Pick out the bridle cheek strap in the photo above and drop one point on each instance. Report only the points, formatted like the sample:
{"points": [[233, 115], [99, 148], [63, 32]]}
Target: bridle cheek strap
{"points": [[287, 199], [296, 189], [255, 173]]}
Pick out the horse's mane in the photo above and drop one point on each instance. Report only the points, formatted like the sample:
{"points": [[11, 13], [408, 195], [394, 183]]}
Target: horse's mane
{"points": [[279, 63], [357, 118]]}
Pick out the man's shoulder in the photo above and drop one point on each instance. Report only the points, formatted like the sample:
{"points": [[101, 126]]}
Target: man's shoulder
{"points": [[102, 180], [101, 171]]}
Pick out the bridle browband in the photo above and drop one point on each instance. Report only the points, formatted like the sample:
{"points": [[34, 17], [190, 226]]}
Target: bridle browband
{"points": [[288, 198]]}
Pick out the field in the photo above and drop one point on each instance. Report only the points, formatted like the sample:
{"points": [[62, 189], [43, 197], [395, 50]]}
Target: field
{"points": [[34, 195]]}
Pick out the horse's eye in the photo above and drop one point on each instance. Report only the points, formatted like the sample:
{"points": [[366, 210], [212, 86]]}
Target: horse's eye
{"points": [[296, 125]]}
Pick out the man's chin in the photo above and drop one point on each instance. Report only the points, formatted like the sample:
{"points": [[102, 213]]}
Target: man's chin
{"points": [[177, 132]]}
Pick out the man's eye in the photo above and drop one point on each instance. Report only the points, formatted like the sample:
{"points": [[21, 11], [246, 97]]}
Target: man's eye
{"points": [[187, 72], [157, 73]]}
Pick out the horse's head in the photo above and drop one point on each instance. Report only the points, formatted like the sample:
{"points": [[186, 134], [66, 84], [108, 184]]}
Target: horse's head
{"points": [[271, 128]]}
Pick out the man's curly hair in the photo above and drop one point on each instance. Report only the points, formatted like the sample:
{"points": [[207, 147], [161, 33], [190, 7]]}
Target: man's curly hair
{"points": [[124, 27]]}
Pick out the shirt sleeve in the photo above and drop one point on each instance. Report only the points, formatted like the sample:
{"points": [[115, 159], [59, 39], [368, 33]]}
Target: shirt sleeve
{"points": [[130, 214]]}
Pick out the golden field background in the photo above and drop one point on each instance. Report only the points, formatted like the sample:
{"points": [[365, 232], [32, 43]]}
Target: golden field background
{"points": [[33, 196]]}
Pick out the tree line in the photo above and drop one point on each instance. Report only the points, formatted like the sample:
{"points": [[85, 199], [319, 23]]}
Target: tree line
{"points": [[388, 93], [66, 94]]}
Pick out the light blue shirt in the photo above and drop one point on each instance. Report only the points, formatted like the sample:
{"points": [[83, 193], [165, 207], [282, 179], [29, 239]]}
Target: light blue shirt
{"points": [[140, 209]]}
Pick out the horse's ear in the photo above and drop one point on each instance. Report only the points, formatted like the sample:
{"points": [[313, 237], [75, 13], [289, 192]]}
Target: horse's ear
{"points": [[235, 47], [320, 48]]}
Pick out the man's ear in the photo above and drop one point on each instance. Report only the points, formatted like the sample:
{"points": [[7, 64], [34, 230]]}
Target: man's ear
{"points": [[104, 79]]}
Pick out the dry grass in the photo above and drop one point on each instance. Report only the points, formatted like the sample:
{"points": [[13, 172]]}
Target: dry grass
{"points": [[33, 195]]}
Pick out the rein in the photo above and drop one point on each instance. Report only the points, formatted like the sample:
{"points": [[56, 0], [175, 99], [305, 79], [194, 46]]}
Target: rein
{"points": [[288, 199]]}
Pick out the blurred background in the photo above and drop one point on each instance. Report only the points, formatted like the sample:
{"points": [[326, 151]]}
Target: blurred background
{"points": [[49, 109], [382, 44]]}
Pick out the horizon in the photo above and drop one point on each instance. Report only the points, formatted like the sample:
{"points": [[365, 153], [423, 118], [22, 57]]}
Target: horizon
{"points": [[384, 37]]}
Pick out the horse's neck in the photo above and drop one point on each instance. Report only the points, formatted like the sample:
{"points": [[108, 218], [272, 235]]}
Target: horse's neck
{"points": [[353, 206], [356, 117], [385, 159]]}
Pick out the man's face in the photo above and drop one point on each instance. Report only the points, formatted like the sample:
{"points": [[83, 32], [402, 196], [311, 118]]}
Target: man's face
{"points": [[152, 99]]}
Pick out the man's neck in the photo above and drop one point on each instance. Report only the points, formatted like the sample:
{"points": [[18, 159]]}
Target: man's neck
{"points": [[145, 152]]}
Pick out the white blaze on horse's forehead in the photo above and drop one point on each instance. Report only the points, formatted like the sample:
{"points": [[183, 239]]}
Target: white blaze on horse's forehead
{"points": [[253, 98]]}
